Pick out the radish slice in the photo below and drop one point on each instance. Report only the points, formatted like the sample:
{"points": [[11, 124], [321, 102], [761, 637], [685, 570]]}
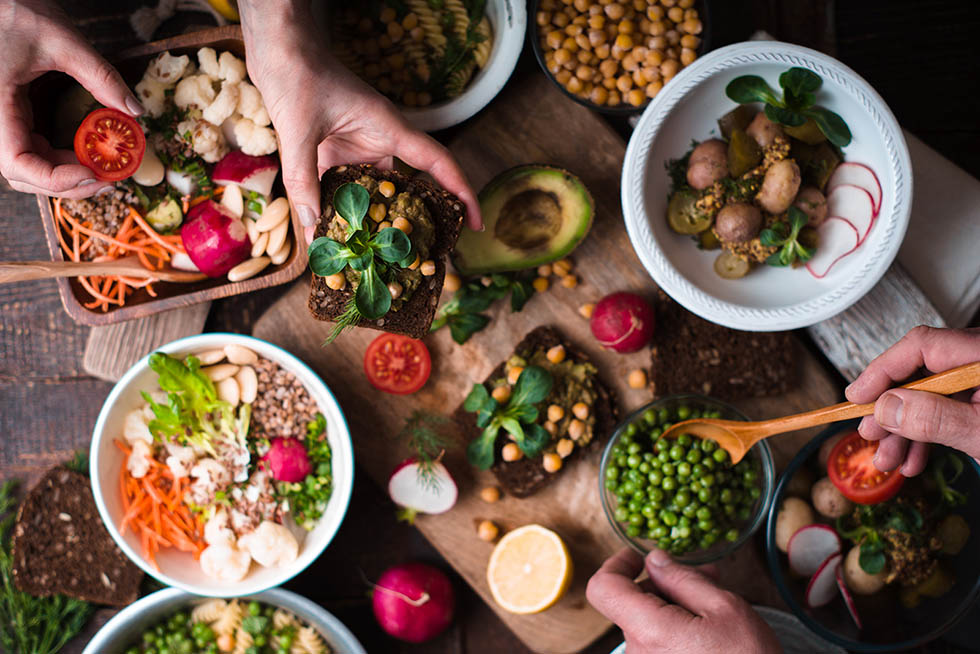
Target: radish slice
{"points": [[848, 600], [837, 239], [857, 175], [823, 585], [416, 493], [810, 546], [854, 204]]}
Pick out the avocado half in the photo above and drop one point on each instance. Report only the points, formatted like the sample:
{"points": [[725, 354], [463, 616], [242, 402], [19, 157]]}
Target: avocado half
{"points": [[532, 215]]}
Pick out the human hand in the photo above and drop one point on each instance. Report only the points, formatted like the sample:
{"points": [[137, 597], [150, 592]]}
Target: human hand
{"points": [[38, 38], [678, 609], [905, 421], [325, 116]]}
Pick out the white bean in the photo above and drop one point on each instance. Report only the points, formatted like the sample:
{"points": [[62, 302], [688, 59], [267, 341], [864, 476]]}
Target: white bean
{"points": [[241, 355], [248, 384], [253, 231], [220, 372], [282, 254], [277, 237], [229, 391], [247, 268], [210, 357], [259, 244], [276, 212]]}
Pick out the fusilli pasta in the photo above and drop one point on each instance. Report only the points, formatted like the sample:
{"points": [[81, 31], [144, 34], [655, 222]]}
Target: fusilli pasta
{"points": [[481, 53], [458, 80], [461, 18], [208, 611], [429, 24], [229, 620], [243, 640], [308, 641], [283, 618]]}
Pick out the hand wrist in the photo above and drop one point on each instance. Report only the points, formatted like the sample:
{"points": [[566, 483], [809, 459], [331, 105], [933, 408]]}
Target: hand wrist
{"points": [[273, 15]]}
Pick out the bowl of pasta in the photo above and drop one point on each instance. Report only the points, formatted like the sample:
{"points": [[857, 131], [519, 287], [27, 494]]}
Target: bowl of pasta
{"points": [[440, 62], [221, 464], [275, 620]]}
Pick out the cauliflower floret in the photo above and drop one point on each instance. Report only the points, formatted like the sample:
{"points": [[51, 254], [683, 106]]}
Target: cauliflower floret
{"points": [[167, 69], [206, 139], [138, 462], [250, 104], [223, 105], [209, 477], [225, 562], [135, 429], [208, 59], [180, 459], [270, 544], [151, 95], [255, 140], [231, 68], [194, 91], [217, 531]]}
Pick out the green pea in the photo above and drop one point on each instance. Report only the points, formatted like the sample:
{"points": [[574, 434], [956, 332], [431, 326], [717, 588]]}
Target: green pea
{"points": [[669, 518], [644, 468], [683, 521], [709, 539], [259, 640], [750, 476], [668, 484], [621, 460], [697, 413], [708, 463], [693, 455], [612, 472], [713, 414], [683, 412], [611, 484], [690, 511], [708, 480], [708, 445], [697, 470], [731, 535], [148, 637], [661, 531], [631, 429], [720, 456], [656, 495], [648, 511], [683, 469], [704, 494], [667, 425], [683, 498], [729, 510], [755, 492], [663, 415], [632, 460], [663, 456], [633, 475], [636, 519], [133, 650], [684, 440], [682, 532], [704, 513], [664, 543], [650, 416], [655, 477], [621, 514], [633, 531], [706, 525], [695, 486], [633, 448], [744, 514], [676, 452], [627, 487], [616, 450], [656, 432], [726, 496], [634, 506], [649, 457]]}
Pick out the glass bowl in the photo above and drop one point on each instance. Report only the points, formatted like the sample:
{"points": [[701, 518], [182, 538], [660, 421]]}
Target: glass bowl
{"points": [[760, 457], [888, 626]]}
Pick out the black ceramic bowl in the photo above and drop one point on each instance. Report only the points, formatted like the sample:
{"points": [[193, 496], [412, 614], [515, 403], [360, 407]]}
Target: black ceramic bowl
{"points": [[888, 626]]}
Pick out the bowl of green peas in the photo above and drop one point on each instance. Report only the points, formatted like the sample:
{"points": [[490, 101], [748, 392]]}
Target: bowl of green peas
{"points": [[683, 495]]}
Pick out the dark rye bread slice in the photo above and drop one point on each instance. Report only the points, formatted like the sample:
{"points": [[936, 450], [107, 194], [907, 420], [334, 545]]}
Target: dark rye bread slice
{"points": [[527, 475], [692, 355], [60, 545], [415, 317]]}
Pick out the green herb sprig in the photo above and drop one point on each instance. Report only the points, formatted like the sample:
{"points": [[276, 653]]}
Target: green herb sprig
{"points": [[787, 238], [797, 104], [944, 471], [866, 527], [371, 255], [308, 499], [518, 416], [464, 312], [423, 432]]}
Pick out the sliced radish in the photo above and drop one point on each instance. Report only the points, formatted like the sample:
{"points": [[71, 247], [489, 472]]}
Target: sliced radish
{"points": [[416, 492], [837, 239], [854, 204], [848, 600], [857, 175], [233, 200], [823, 585], [251, 173], [181, 261], [810, 546]]}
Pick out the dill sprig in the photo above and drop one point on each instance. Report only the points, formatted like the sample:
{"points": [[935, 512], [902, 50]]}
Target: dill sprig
{"points": [[349, 318], [423, 432]]}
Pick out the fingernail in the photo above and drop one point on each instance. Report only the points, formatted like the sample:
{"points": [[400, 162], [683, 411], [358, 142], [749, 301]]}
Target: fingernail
{"points": [[889, 415], [658, 558], [306, 215], [85, 182], [134, 106], [104, 190]]}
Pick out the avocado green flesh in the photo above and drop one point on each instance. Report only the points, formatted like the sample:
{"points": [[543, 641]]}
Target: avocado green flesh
{"points": [[532, 215]]}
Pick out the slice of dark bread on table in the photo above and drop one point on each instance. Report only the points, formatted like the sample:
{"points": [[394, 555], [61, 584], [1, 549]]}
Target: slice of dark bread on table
{"points": [[527, 475], [692, 355], [415, 317], [60, 545]]}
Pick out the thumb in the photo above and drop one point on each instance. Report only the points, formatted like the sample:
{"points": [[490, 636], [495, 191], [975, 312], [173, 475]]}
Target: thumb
{"points": [[930, 418], [299, 176], [80, 60], [686, 586]]}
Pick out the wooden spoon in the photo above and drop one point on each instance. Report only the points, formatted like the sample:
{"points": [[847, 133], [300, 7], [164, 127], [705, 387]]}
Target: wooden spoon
{"points": [[737, 437], [19, 271]]}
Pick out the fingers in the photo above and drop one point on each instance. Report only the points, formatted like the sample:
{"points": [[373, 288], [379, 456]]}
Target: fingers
{"points": [[891, 452], [299, 176], [613, 592], [930, 418], [82, 191], [77, 58], [916, 459], [936, 349], [425, 153], [685, 585], [871, 430]]}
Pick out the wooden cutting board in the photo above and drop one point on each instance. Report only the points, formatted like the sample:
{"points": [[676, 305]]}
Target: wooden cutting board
{"points": [[529, 122]]}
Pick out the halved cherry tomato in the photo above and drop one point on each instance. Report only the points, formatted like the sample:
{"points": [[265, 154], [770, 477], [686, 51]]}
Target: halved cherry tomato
{"points": [[852, 470], [397, 364], [110, 143]]}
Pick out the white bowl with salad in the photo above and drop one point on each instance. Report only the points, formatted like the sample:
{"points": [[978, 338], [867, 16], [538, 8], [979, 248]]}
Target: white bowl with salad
{"points": [[221, 464], [797, 179]]}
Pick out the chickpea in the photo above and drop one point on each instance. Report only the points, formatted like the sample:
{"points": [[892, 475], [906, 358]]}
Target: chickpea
{"points": [[395, 32], [555, 413], [615, 11], [580, 410], [544, 270], [582, 5], [637, 378], [490, 494], [514, 374], [690, 41], [653, 88], [387, 15], [570, 44], [597, 21], [563, 76], [614, 98], [624, 41], [688, 56], [636, 97], [417, 34], [669, 68], [675, 14], [564, 447], [487, 531], [611, 31], [501, 393], [639, 78], [562, 267], [596, 10], [560, 20], [673, 37], [556, 354], [335, 282], [452, 283], [624, 83], [692, 26], [630, 63], [651, 74], [584, 73], [540, 284], [599, 95], [571, 281], [655, 12], [686, 4], [552, 462], [626, 27], [543, 18], [554, 39], [510, 452], [385, 224], [597, 37], [562, 55], [668, 3], [602, 51], [402, 224], [576, 428], [395, 289], [549, 5], [608, 68], [550, 427], [378, 211], [583, 42], [573, 30], [672, 53], [690, 14], [581, 19], [428, 268], [657, 43], [609, 83], [586, 311]]}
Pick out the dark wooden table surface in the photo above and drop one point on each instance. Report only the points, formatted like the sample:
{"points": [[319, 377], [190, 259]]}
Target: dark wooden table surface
{"points": [[921, 56]]}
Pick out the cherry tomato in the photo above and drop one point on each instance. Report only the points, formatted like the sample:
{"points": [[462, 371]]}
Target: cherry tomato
{"points": [[852, 470], [110, 143], [397, 364]]}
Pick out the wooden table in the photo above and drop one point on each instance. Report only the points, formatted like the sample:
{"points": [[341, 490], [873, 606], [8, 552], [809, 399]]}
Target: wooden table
{"points": [[921, 60]]}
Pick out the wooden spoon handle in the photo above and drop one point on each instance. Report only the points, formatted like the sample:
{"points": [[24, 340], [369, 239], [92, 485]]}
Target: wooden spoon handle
{"points": [[943, 383], [20, 271]]}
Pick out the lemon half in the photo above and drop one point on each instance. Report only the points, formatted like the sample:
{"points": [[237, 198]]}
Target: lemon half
{"points": [[529, 570]]}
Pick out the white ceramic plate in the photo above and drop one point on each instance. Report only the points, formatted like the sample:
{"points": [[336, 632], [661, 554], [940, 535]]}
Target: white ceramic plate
{"points": [[767, 299], [126, 626], [178, 568]]}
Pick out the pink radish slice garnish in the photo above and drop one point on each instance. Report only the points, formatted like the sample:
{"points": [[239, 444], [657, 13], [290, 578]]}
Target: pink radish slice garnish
{"points": [[417, 492], [810, 546], [854, 204], [848, 600], [837, 238], [823, 585], [857, 175]]}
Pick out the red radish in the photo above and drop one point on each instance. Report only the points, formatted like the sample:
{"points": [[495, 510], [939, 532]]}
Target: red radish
{"points": [[413, 602], [215, 239], [837, 239], [181, 261], [858, 175], [823, 585], [810, 546], [848, 600], [251, 173], [232, 198], [287, 460], [623, 322], [418, 491], [855, 205]]}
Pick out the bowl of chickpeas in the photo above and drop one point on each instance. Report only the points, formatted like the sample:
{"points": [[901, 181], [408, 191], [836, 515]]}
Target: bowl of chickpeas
{"points": [[683, 495], [614, 56]]}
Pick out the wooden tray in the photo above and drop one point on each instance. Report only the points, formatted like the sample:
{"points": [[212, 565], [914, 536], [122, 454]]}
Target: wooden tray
{"points": [[169, 295], [520, 127]]}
